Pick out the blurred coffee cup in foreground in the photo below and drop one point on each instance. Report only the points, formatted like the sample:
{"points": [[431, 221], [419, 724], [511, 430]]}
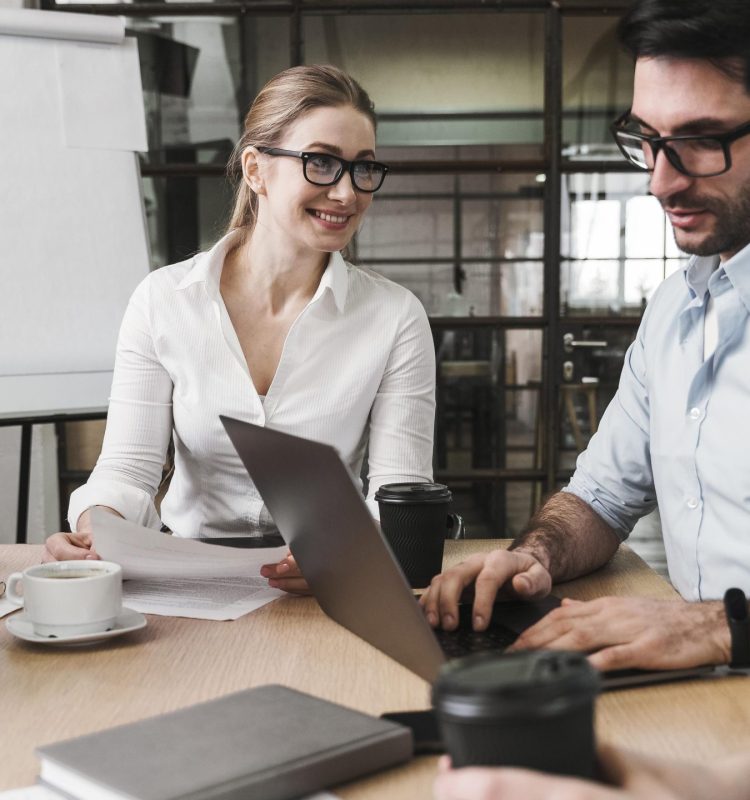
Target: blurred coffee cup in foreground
{"points": [[528, 709]]}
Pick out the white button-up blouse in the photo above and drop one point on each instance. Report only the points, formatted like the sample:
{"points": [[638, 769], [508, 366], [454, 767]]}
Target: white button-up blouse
{"points": [[357, 371]]}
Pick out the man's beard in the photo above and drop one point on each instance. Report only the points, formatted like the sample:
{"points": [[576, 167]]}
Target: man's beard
{"points": [[732, 228]]}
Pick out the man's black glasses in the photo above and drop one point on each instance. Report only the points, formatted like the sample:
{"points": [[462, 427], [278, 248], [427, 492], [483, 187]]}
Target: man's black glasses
{"points": [[323, 169], [701, 156]]}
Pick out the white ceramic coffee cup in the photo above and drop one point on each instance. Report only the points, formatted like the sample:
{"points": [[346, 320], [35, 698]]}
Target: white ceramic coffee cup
{"points": [[68, 598]]}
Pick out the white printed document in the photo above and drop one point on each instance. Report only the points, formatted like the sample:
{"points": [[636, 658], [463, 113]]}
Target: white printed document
{"points": [[178, 577], [6, 606]]}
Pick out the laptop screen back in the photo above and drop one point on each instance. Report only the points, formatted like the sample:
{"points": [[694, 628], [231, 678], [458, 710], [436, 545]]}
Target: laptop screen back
{"points": [[320, 512]]}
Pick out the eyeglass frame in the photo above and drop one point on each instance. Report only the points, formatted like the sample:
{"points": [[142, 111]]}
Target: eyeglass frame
{"points": [[345, 166], [658, 143]]}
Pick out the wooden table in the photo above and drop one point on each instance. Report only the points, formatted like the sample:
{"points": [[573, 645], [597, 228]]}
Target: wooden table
{"points": [[49, 693]]}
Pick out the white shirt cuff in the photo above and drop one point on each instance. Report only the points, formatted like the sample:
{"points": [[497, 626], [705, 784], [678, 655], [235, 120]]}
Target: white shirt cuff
{"points": [[132, 503]]}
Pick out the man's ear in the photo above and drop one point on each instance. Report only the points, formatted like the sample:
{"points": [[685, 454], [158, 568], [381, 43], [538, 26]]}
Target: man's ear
{"points": [[251, 170]]}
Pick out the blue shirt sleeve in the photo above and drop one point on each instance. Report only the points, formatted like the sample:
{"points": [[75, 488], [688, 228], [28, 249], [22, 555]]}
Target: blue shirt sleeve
{"points": [[614, 475]]}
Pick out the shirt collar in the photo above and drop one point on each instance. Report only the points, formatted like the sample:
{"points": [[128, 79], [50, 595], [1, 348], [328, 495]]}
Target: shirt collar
{"points": [[738, 272], [702, 269], [336, 280], [697, 272], [207, 269]]}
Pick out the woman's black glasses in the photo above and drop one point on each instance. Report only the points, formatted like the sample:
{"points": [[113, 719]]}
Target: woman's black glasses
{"points": [[325, 170], [701, 156]]}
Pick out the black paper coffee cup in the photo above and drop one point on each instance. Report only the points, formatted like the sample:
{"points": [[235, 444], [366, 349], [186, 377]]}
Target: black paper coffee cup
{"points": [[415, 520], [527, 709]]}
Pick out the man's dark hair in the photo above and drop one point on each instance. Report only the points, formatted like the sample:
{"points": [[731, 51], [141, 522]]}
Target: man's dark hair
{"points": [[715, 30]]}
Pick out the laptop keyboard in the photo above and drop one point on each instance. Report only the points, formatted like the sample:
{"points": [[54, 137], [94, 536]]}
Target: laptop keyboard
{"points": [[465, 641]]}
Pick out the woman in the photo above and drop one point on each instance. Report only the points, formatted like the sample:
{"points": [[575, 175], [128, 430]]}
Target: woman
{"points": [[271, 326]]}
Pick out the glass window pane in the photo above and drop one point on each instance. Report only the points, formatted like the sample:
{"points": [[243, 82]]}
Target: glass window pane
{"points": [[524, 348], [590, 385], [591, 286], [642, 276], [431, 283], [502, 227], [475, 242], [399, 228], [394, 57], [507, 289], [616, 244], [185, 215], [644, 228], [595, 228], [488, 398], [597, 86], [269, 51], [495, 509], [200, 74]]}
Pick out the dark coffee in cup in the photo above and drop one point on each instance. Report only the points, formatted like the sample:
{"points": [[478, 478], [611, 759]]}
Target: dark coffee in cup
{"points": [[528, 709], [92, 572], [415, 520]]}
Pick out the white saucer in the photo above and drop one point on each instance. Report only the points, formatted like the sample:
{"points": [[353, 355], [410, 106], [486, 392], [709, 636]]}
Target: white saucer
{"points": [[128, 621]]}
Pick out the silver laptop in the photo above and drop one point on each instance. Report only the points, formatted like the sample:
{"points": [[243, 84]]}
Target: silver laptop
{"points": [[321, 513]]}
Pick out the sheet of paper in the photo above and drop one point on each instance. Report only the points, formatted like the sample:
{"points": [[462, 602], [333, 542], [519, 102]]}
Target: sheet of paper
{"points": [[61, 25], [147, 554], [222, 598], [90, 75], [6, 606], [177, 577]]}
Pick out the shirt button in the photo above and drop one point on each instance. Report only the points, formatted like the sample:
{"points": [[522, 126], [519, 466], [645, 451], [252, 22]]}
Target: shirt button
{"points": [[692, 502], [695, 413]]}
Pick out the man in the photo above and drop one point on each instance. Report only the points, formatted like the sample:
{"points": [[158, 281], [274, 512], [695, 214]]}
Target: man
{"points": [[675, 433]]}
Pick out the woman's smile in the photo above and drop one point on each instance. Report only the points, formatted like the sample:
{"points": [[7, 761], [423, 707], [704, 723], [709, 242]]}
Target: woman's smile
{"points": [[330, 219]]}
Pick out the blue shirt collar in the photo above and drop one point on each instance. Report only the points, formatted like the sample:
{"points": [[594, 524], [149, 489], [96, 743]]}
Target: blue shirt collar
{"points": [[701, 270], [737, 270]]}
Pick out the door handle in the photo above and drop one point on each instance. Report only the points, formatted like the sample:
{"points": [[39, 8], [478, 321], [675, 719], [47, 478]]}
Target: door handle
{"points": [[570, 343]]}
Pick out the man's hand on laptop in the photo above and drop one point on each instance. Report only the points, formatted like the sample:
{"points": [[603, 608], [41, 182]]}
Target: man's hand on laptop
{"points": [[285, 575], [625, 632], [514, 571]]}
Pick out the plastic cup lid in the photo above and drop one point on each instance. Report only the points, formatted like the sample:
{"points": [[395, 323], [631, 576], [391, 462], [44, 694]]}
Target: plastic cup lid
{"points": [[513, 683], [413, 493]]}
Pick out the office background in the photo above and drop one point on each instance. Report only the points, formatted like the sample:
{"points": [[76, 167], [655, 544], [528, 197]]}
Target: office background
{"points": [[509, 212]]}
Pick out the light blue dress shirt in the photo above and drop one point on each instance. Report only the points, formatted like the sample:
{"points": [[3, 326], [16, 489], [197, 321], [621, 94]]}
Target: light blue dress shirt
{"points": [[677, 432]]}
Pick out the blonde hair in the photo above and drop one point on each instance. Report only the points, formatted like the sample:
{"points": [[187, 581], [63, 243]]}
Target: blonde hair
{"points": [[284, 99]]}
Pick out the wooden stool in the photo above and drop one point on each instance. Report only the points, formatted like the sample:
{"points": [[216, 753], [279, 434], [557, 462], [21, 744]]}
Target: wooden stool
{"points": [[568, 392]]}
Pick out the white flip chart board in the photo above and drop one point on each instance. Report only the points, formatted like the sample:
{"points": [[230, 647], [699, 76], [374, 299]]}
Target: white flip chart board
{"points": [[73, 236]]}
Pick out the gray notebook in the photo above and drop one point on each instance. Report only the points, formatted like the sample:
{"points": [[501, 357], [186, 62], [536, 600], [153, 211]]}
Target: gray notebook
{"points": [[268, 743]]}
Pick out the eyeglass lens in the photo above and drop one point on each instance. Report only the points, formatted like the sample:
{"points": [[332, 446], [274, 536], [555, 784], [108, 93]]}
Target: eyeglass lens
{"points": [[325, 170], [694, 156]]}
